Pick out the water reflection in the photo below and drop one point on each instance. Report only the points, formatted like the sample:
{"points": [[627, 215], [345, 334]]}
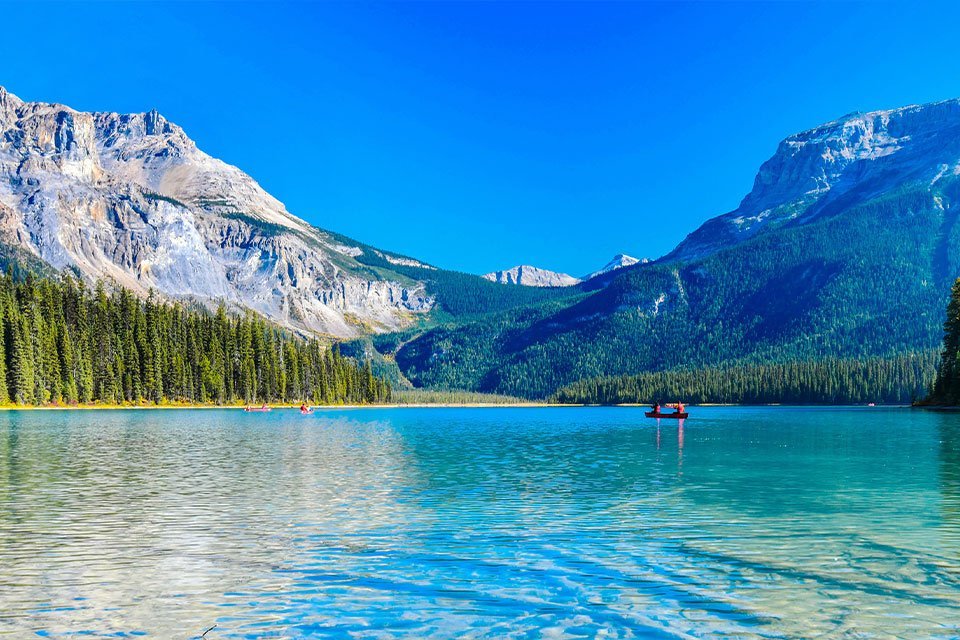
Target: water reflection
{"points": [[948, 427], [449, 523], [680, 446]]}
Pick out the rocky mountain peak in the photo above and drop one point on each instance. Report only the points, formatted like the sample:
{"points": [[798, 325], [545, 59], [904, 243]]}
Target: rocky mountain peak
{"points": [[531, 276], [130, 198], [853, 157], [8, 100], [155, 124], [618, 261]]}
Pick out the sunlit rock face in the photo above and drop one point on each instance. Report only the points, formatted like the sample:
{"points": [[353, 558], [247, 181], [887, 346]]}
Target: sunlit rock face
{"points": [[531, 277], [837, 165], [129, 198]]}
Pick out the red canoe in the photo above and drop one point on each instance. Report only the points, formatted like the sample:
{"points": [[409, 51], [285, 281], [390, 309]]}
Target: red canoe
{"points": [[654, 414]]}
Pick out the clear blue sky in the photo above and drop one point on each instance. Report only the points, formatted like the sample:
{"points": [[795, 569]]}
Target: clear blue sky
{"points": [[479, 136]]}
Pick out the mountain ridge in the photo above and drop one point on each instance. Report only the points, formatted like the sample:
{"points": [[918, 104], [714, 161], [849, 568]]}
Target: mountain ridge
{"points": [[131, 198], [812, 169], [531, 276], [618, 261]]}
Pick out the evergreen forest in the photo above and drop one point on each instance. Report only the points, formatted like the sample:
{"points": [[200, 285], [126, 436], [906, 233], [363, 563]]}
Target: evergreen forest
{"points": [[899, 379], [63, 343], [946, 388]]}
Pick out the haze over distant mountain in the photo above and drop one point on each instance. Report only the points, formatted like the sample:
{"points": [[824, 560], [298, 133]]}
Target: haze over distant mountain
{"points": [[131, 199]]}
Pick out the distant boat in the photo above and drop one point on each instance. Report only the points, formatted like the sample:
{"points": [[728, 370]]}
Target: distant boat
{"points": [[675, 414], [306, 412], [262, 409]]}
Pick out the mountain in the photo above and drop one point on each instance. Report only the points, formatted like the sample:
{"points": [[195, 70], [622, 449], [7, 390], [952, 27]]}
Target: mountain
{"points": [[535, 277], [531, 277], [130, 198], [619, 261], [845, 248], [824, 171]]}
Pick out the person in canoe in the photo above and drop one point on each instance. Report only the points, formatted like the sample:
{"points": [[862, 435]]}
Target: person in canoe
{"points": [[656, 412]]}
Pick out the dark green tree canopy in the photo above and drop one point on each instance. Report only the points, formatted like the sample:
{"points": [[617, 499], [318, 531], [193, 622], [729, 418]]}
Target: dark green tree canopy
{"points": [[62, 343]]}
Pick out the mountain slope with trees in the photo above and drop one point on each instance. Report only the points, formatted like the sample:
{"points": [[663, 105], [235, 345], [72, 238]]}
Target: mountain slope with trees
{"points": [[845, 249]]}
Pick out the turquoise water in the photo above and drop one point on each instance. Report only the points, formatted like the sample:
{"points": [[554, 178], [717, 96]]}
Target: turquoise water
{"points": [[528, 523]]}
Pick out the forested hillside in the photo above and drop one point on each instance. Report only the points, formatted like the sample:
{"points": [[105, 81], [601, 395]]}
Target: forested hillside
{"points": [[843, 250], [62, 343], [867, 281]]}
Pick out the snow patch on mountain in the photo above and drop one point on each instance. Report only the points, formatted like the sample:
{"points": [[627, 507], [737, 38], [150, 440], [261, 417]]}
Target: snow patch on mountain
{"points": [[619, 261], [404, 262]]}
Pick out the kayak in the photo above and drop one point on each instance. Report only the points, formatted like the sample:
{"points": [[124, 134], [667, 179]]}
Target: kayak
{"points": [[306, 412], [257, 409], [675, 414]]}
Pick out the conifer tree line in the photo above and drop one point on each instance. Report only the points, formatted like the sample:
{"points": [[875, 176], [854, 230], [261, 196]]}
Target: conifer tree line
{"points": [[65, 343], [946, 389], [892, 380]]}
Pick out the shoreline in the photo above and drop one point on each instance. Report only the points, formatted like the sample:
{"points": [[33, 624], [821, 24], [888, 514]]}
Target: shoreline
{"points": [[428, 405], [273, 407]]}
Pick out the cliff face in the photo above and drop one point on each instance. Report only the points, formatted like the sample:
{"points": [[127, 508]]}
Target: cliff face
{"points": [[835, 166], [130, 198]]}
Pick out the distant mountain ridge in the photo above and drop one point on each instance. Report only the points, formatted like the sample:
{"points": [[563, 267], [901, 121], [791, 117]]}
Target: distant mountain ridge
{"points": [[535, 277], [531, 277]]}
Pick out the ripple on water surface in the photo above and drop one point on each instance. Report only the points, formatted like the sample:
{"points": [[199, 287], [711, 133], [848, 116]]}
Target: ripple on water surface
{"points": [[480, 523]]}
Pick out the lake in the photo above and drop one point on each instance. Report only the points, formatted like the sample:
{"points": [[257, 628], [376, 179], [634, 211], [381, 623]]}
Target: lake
{"points": [[499, 522]]}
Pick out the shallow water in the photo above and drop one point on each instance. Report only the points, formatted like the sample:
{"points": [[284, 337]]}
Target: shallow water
{"points": [[503, 522]]}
